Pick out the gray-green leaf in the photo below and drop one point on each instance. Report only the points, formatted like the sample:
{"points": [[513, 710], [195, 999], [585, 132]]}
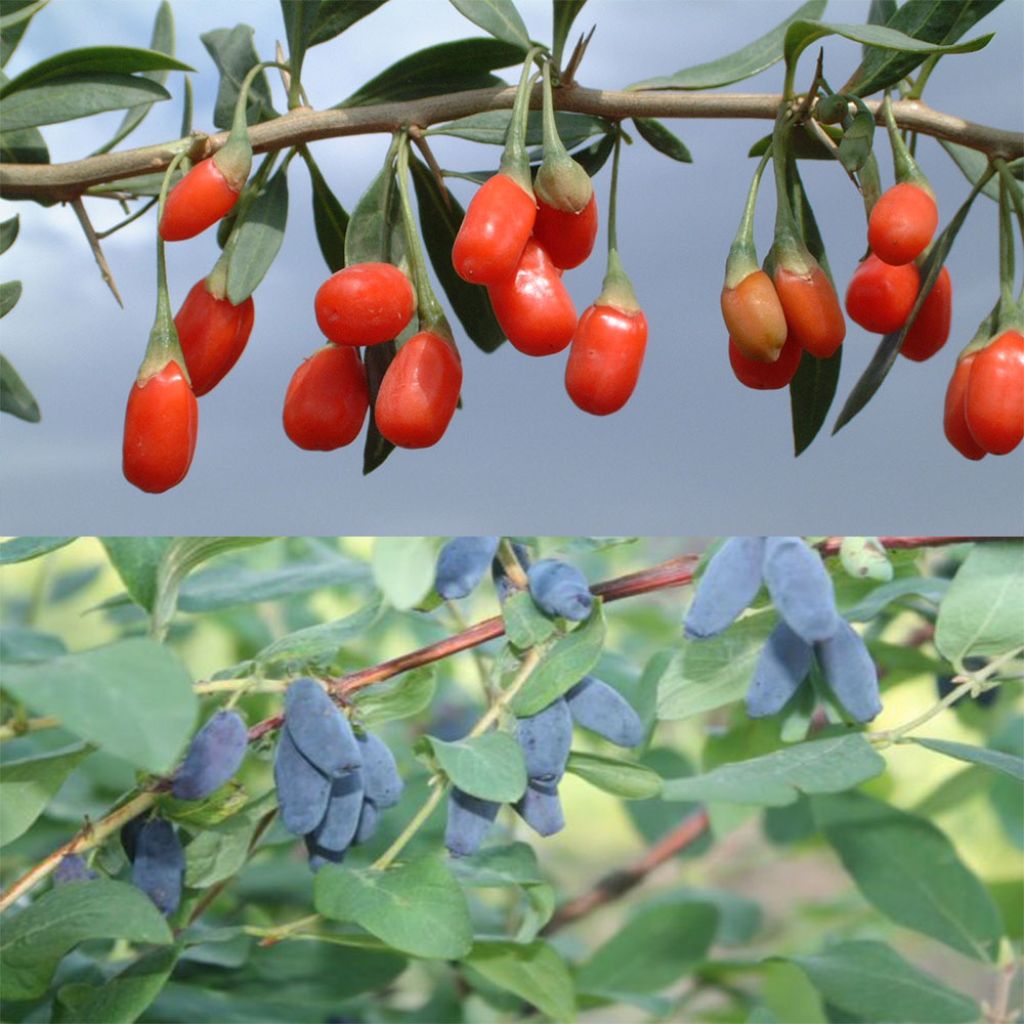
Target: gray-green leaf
{"points": [[489, 766]]}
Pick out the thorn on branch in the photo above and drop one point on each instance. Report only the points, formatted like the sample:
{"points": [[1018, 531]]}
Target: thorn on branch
{"points": [[97, 250]]}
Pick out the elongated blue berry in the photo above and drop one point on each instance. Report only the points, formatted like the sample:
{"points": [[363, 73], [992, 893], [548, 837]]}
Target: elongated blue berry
{"points": [[469, 821], [159, 865], [368, 818], [341, 819], [546, 738], [72, 869], [302, 789], [318, 856], [215, 754], [502, 584], [850, 672], [730, 582], [541, 809], [782, 666], [602, 709], [319, 729], [801, 588], [560, 589], [130, 835], [462, 564], [381, 781]]}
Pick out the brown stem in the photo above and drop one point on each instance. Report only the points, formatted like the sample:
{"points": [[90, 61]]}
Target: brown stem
{"points": [[68, 180], [97, 250]]}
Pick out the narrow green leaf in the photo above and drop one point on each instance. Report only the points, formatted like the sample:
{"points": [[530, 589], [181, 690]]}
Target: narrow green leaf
{"points": [[440, 219], [24, 549], [377, 447], [404, 568], [10, 292], [974, 165], [1008, 764], [489, 767], [880, 11], [320, 644], [491, 126], [448, 67], [8, 233], [821, 766], [300, 19], [329, 217], [564, 14], [752, 59], [137, 561], [234, 52], [416, 907], [259, 238], [338, 15], [535, 972], [36, 939], [875, 984], [26, 146], [374, 230], [931, 588], [625, 779], [663, 140], [910, 871], [13, 23], [499, 18], [75, 96], [810, 395]]}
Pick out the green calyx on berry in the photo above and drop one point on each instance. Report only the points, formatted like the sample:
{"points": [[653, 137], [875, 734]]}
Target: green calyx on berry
{"points": [[905, 166], [742, 259], [515, 162], [616, 289], [561, 182]]}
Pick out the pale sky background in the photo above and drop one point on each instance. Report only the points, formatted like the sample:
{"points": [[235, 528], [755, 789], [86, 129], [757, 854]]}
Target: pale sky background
{"points": [[693, 452]]}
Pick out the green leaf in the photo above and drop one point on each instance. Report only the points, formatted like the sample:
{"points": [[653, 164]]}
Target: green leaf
{"points": [[889, 347], [564, 14], [377, 447], [625, 779], [499, 18], [321, 643], [15, 397], [873, 982], [220, 853], [568, 660], [36, 939], [663, 140], [1008, 764], [10, 292], [653, 950], [535, 972], [974, 165], [983, 610], [234, 52], [404, 569], [708, 674], [910, 871], [29, 784], [416, 907], [931, 588], [374, 231], [774, 780], [20, 644], [300, 19], [440, 219], [162, 41], [338, 15], [489, 766], [525, 624], [119, 61], [752, 59], [258, 240], [132, 698], [448, 67], [8, 233], [491, 127], [329, 217], [404, 697], [24, 549], [137, 561], [66, 99], [499, 867], [13, 22], [930, 20]]}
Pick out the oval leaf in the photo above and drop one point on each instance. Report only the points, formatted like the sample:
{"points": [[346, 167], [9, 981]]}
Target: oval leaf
{"points": [[663, 140], [498, 17], [625, 779], [489, 767]]}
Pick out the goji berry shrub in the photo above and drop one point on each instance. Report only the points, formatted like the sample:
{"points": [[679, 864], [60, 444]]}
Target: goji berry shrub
{"points": [[383, 358], [418, 779]]}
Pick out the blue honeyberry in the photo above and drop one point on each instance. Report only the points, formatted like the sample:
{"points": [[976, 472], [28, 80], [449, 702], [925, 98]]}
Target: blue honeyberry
{"points": [[368, 818], [159, 865], [318, 856], [560, 589], [782, 666], [462, 564], [850, 673], [381, 780], [338, 826], [469, 821], [213, 757], [130, 835], [302, 789], [541, 809], [801, 588], [596, 706], [502, 584], [545, 739], [730, 582], [72, 869], [320, 731]]}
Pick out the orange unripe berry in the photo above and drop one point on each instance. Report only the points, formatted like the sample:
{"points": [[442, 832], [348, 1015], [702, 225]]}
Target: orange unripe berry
{"points": [[755, 318], [812, 310], [761, 376], [902, 223]]}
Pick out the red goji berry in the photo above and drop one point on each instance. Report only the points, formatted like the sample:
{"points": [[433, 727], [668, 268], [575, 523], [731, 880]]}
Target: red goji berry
{"points": [[568, 237], [533, 307], [327, 399], [497, 225], [419, 392], [954, 419], [365, 304], [160, 427], [213, 334], [762, 376], [902, 223], [880, 296], [930, 329], [994, 398], [605, 359], [812, 310], [199, 200], [755, 318]]}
